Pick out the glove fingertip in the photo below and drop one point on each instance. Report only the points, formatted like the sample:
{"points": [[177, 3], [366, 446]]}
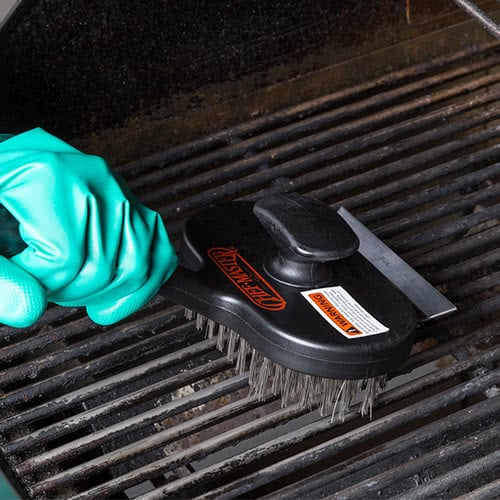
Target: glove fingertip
{"points": [[23, 298], [108, 314]]}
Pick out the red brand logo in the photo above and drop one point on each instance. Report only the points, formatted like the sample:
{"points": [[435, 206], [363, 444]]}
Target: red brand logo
{"points": [[246, 278]]}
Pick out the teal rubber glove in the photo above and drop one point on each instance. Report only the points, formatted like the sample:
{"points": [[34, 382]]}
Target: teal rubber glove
{"points": [[90, 242]]}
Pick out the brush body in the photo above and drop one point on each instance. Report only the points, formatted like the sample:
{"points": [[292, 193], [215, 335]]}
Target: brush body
{"points": [[284, 274]]}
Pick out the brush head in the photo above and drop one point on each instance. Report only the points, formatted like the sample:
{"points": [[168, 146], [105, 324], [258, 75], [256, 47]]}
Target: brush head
{"points": [[285, 274]]}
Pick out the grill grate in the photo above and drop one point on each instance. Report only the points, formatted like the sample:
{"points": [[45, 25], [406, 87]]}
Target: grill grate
{"points": [[149, 409]]}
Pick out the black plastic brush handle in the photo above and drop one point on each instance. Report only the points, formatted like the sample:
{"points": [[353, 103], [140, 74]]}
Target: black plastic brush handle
{"points": [[308, 235], [231, 248]]}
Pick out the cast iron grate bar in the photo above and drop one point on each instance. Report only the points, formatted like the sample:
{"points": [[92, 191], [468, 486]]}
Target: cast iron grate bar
{"points": [[415, 155], [304, 110], [320, 483], [314, 128], [244, 485], [449, 452], [330, 155]]}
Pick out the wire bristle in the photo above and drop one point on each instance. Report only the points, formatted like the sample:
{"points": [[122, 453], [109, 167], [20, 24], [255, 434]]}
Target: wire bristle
{"points": [[241, 360], [188, 314], [332, 397]]}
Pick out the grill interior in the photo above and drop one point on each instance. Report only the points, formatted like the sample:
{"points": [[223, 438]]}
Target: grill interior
{"points": [[149, 409]]}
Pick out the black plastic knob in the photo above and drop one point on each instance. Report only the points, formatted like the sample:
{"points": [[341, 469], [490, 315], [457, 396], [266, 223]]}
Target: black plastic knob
{"points": [[308, 235]]}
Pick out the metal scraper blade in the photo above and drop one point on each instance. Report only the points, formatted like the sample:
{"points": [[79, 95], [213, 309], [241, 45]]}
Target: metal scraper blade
{"points": [[430, 302]]}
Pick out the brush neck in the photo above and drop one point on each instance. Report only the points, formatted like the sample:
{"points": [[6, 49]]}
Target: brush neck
{"points": [[308, 235], [286, 268]]}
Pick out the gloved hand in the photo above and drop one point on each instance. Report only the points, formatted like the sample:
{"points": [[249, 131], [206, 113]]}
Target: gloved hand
{"points": [[90, 242]]}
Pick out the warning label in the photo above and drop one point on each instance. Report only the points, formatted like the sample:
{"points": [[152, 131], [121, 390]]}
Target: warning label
{"points": [[344, 313]]}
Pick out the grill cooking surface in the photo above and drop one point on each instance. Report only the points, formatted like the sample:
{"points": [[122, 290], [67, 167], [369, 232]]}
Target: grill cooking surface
{"points": [[150, 409]]}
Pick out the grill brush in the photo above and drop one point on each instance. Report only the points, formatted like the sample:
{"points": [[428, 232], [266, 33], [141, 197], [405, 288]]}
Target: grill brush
{"points": [[288, 293], [305, 298]]}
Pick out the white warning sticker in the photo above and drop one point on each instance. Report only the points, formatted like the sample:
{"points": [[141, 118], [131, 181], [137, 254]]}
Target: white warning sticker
{"points": [[343, 312]]}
